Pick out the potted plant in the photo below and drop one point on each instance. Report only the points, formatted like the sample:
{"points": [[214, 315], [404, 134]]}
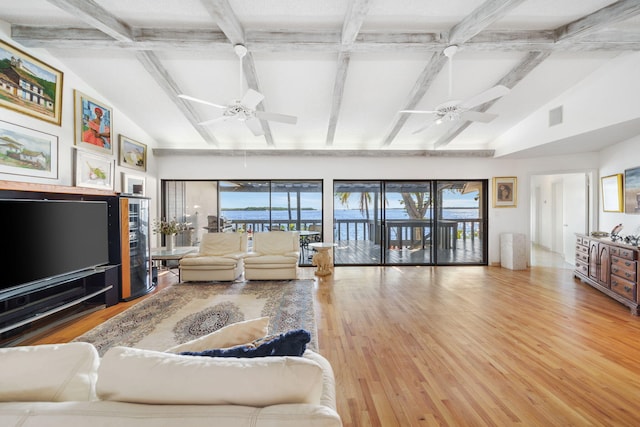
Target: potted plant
{"points": [[169, 229]]}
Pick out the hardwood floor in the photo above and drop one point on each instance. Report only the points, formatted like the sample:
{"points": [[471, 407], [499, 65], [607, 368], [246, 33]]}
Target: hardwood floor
{"points": [[413, 346]]}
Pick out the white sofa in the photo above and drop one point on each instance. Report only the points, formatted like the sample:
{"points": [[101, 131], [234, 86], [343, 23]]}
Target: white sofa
{"points": [[274, 256], [63, 385], [219, 258]]}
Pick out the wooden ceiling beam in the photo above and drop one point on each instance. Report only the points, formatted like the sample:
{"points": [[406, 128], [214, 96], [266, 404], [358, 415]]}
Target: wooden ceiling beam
{"points": [[621, 10], [258, 41], [483, 16], [225, 18], [95, 15], [353, 21], [153, 66]]}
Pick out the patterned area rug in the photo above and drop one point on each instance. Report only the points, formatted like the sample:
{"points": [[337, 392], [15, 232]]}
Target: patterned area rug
{"points": [[186, 311]]}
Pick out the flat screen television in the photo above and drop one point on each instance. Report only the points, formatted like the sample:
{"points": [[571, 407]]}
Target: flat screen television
{"points": [[47, 239]]}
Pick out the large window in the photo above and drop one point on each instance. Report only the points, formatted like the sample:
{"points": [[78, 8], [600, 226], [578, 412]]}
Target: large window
{"points": [[249, 206]]}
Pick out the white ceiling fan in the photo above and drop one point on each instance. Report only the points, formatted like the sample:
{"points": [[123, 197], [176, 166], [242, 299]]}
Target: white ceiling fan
{"points": [[244, 109], [454, 110]]}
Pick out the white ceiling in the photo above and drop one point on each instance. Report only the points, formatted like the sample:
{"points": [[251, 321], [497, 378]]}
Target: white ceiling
{"points": [[140, 54]]}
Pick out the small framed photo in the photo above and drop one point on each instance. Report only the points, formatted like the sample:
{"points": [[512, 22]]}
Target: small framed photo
{"points": [[632, 191], [30, 86], [133, 184], [93, 123], [29, 152], [505, 192], [93, 170], [612, 193], [133, 154]]}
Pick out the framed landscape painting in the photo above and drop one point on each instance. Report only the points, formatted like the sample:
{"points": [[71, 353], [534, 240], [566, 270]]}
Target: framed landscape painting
{"points": [[30, 86], [505, 192], [93, 170], [25, 151], [632, 191], [133, 154], [93, 123]]}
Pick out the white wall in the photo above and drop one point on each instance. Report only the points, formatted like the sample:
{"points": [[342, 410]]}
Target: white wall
{"points": [[614, 160], [331, 168], [65, 132], [606, 97]]}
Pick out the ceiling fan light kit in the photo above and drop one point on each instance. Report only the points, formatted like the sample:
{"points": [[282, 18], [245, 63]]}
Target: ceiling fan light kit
{"points": [[454, 110]]}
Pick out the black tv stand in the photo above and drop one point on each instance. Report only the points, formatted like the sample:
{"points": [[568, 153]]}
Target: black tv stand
{"points": [[25, 305]]}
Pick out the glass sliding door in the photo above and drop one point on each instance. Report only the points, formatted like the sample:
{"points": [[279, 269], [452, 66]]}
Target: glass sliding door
{"points": [[408, 222], [427, 222], [357, 222], [460, 218]]}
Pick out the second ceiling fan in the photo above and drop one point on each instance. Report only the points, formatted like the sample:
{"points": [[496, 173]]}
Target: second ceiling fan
{"points": [[244, 109], [454, 110]]}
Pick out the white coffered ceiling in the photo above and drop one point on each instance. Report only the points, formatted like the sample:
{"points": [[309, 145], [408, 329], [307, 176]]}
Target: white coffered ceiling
{"points": [[343, 67]]}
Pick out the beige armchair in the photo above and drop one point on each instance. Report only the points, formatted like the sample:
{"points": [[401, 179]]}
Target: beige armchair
{"points": [[219, 258], [274, 256]]}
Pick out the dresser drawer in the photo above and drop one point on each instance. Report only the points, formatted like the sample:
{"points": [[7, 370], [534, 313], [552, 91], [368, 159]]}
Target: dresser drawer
{"points": [[623, 287], [625, 273], [629, 254], [582, 268], [623, 263], [584, 257], [582, 248]]}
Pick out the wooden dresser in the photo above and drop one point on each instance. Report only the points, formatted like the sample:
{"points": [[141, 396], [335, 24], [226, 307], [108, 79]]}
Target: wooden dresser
{"points": [[610, 267]]}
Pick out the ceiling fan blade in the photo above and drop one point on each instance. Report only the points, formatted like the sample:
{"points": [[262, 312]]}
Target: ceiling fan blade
{"points": [[423, 128], [418, 111], [486, 96], [283, 118], [201, 101], [251, 99], [255, 126], [477, 116], [216, 120]]}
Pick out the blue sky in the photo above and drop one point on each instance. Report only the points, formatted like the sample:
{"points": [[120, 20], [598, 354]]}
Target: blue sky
{"points": [[314, 200]]}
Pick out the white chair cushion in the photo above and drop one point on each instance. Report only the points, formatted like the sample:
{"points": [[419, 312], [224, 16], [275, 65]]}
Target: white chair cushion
{"points": [[229, 336], [222, 243], [145, 376], [276, 242], [49, 373]]}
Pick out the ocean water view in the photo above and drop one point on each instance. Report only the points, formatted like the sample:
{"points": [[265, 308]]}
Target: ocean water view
{"points": [[341, 216]]}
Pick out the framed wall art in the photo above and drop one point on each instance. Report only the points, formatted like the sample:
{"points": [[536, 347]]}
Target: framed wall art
{"points": [[93, 170], [133, 184], [505, 192], [29, 86], [133, 154], [93, 123], [632, 191], [612, 193], [25, 151]]}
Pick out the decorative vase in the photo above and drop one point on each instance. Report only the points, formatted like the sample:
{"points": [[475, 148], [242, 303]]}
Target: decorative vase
{"points": [[171, 241]]}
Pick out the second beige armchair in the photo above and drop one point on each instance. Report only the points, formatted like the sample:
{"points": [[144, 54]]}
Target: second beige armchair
{"points": [[274, 256]]}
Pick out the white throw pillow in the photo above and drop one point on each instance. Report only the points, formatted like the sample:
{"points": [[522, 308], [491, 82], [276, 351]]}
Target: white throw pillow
{"points": [[49, 373], [152, 377], [229, 336]]}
